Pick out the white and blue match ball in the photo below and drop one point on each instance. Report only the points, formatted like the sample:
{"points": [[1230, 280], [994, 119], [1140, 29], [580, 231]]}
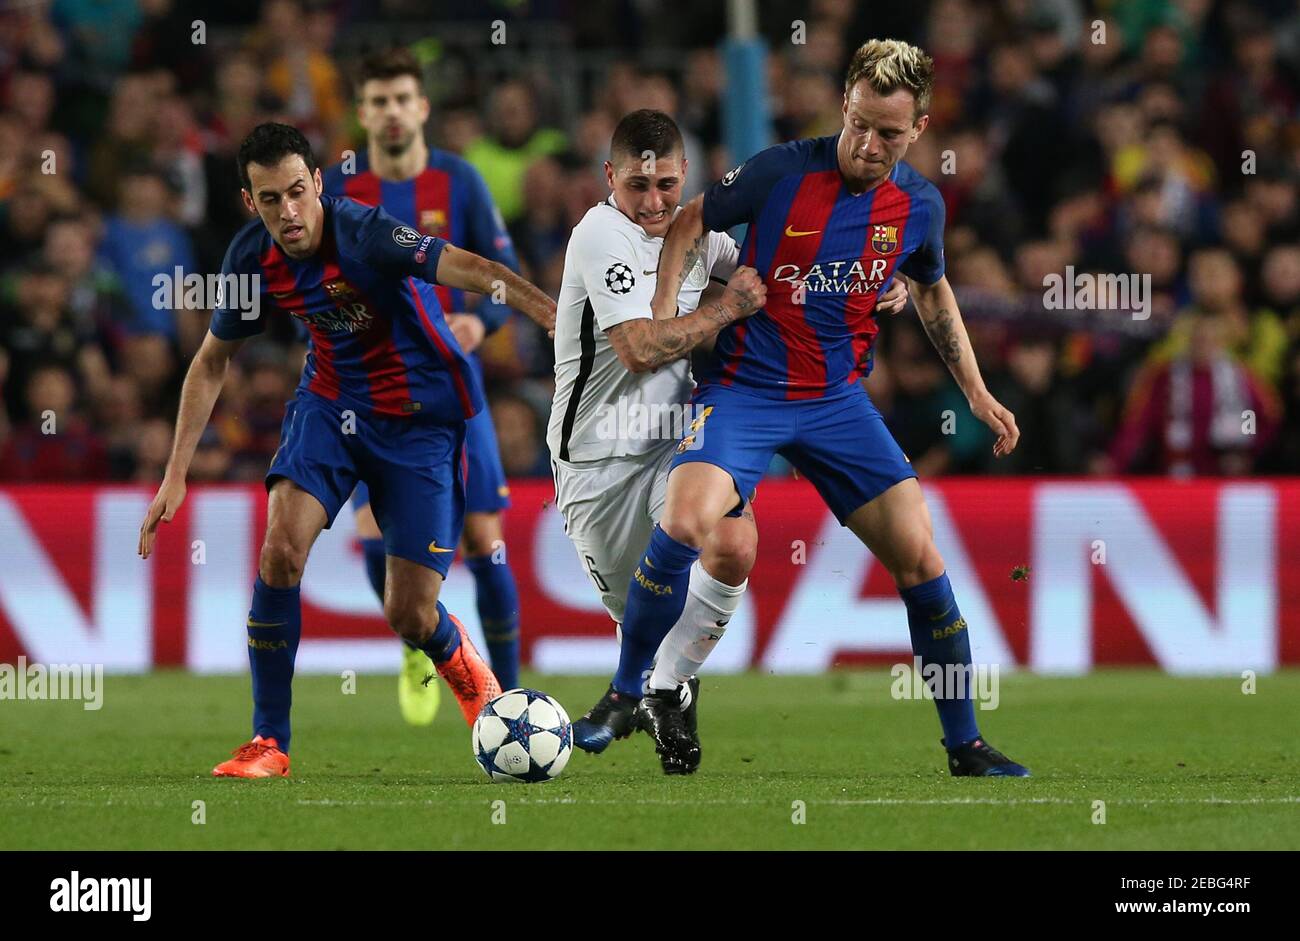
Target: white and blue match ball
{"points": [[522, 735]]}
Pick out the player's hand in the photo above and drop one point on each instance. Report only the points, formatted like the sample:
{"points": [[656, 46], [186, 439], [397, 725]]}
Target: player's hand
{"points": [[165, 504], [468, 330], [996, 415], [895, 299], [745, 292]]}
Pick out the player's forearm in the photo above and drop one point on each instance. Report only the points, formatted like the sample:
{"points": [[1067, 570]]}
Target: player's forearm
{"points": [[524, 296], [203, 382], [458, 268], [654, 343], [683, 247], [937, 307]]}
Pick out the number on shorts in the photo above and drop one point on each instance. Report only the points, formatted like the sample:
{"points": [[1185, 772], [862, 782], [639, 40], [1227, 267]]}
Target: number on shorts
{"points": [[595, 576]]}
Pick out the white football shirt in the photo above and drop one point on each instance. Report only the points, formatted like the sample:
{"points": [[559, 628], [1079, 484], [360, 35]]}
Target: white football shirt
{"points": [[609, 278]]}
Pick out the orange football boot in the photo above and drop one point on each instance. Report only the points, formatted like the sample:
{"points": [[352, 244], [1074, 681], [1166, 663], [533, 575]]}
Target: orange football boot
{"points": [[470, 678], [260, 758]]}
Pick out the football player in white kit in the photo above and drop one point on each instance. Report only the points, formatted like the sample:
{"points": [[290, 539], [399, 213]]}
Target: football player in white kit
{"points": [[621, 409]]}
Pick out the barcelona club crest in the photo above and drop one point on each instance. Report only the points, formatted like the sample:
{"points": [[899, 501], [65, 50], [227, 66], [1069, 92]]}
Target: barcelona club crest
{"points": [[884, 239], [433, 221]]}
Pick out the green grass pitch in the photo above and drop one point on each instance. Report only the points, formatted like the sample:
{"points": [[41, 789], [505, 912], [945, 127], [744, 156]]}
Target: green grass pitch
{"points": [[1179, 763]]}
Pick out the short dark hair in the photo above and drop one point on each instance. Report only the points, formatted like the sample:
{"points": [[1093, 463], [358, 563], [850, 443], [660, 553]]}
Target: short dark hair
{"points": [[645, 130], [387, 64], [268, 144]]}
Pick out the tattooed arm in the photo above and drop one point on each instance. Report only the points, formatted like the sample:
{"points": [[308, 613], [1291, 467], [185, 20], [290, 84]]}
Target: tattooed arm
{"points": [[684, 245], [646, 343], [937, 306]]}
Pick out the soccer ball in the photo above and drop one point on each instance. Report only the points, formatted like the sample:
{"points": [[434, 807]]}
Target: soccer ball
{"points": [[522, 735]]}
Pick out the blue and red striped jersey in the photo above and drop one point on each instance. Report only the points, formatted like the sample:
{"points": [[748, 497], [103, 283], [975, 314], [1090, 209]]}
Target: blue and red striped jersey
{"points": [[449, 199], [378, 339], [825, 255]]}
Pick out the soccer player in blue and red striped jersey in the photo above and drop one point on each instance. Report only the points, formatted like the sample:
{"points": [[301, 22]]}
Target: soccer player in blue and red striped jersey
{"points": [[384, 398], [441, 194], [831, 222]]}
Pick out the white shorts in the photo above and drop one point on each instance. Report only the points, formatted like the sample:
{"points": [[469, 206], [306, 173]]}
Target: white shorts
{"points": [[610, 508]]}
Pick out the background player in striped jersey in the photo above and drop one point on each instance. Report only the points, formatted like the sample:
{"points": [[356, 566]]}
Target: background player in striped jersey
{"points": [[439, 194], [613, 358], [384, 397], [831, 222]]}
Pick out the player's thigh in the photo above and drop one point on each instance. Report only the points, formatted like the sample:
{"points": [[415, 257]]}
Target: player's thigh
{"points": [[486, 489], [294, 518], [310, 477], [417, 492], [720, 460], [845, 450], [896, 527], [606, 516]]}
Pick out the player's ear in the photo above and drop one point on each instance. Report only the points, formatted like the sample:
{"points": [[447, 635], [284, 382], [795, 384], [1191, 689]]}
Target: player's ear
{"points": [[424, 109], [248, 201], [319, 181], [919, 127], [609, 174]]}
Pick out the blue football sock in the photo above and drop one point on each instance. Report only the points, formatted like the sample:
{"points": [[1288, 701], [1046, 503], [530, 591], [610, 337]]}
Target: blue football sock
{"points": [[498, 612], [377, 570], [274, 628], [655, 599], [939, 636], [445, 639]]}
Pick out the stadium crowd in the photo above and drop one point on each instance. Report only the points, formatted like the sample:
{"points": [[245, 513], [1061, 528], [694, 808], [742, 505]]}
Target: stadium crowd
{"points": [[1154, 137]]}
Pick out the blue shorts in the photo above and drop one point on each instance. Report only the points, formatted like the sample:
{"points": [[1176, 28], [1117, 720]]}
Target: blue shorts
{"points": [[414, 468], [840, 444], [486, 490]]}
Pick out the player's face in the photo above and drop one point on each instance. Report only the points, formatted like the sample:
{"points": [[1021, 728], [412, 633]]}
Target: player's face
{"points": [[648, 191], [877, 132], [393, 112], [287, 197]]}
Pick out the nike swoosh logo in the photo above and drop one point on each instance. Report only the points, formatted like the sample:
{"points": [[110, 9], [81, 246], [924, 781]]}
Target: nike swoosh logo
{"points": [[252, 623], [650, 272], [433, 547], [280, 297], [940, 617], [789, 230]]}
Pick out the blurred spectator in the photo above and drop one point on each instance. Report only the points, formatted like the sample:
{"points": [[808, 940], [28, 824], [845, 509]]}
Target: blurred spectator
{"points": [[38, 332], [1199, 413], [56, 443], [293, 39], [141, 242], [514, 140], [521, 437]]}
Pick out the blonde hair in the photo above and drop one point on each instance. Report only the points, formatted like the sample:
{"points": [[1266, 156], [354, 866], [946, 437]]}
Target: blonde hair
{"points": [[890, 64]]}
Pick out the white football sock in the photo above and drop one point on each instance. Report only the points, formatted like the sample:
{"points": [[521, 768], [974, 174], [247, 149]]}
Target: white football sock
{"points": [[709, 606]]}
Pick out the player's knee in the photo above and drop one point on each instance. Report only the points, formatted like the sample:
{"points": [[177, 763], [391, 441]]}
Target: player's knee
{"points": [[686, 525], [729, 554], [482, 538], [410, 621], [281, 562], [920, 563]]}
